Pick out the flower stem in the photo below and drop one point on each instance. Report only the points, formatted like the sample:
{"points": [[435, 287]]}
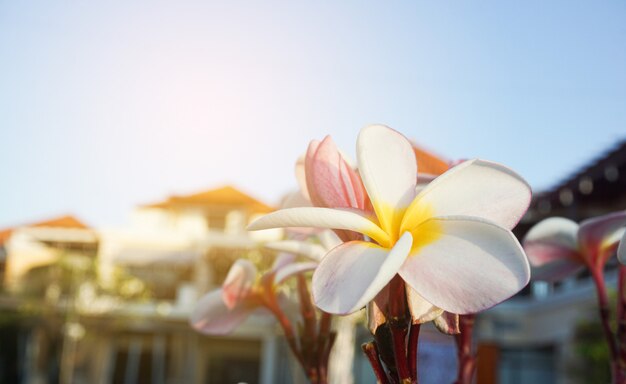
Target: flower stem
{"points": [[371, 351], [312, 344], [271, 303], [604, 310], [399, 324], [325, 341], [414, 333], [621, 325], [466, 358]]}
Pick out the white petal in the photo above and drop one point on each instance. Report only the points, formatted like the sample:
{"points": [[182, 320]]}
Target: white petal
{"points": [[329, 239], [212, 317], [388, 168], [283, 260], [321, 218], [473, 188], [293, 269], [471, 266], [353, 273], [422, 182], [302, 248]]}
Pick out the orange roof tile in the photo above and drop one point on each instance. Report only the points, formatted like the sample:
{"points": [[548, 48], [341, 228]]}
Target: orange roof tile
{"points": [[227, 196], [58, 222], [428, 162]]}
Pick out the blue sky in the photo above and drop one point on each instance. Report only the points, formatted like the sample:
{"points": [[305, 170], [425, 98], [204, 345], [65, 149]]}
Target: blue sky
{"points": [[107, 105]]}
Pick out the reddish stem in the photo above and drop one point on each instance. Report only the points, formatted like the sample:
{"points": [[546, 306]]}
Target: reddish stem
{"points": [[466, 358], [414, 333], [312, 348], [270, 302], [398, 335], [308, 338], [306, 307], [621, 325], [399, 323], [371, 351], [604, 310], [325, 341]]}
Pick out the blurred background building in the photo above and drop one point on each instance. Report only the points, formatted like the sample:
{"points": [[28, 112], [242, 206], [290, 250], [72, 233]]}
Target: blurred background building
{"points": [[112, 306]]}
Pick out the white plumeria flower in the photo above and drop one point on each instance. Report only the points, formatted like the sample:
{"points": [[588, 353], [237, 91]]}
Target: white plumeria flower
{"points": [[450, 242]]}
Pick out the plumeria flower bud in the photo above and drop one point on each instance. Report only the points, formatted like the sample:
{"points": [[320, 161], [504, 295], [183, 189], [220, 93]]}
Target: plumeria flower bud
{"points": [[558, 247], [243, 292]]}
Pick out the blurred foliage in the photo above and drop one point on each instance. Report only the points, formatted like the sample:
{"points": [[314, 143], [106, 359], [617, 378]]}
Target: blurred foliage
{"points": [[73, 283], [591, 364]]}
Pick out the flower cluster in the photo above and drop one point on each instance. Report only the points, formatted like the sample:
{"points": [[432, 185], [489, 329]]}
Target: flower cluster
{"points": [[414, 247], [451, 242]]}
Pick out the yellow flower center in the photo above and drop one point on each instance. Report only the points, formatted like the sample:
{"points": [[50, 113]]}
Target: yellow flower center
{"points": [[414, 219]]}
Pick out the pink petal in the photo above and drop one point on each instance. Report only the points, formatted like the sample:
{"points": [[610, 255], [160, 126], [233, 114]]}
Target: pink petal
{"points": [[353, 273], [388, 168], [473, 265], [238, 282], [354, 186], [329, 179], [331, 182], [211, 316], [597, 237], [474, 188], [321, 218]]}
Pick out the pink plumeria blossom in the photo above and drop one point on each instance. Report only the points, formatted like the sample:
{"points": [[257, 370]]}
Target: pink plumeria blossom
{"points": [[450, 242], [242, 293], [558, 247]]}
